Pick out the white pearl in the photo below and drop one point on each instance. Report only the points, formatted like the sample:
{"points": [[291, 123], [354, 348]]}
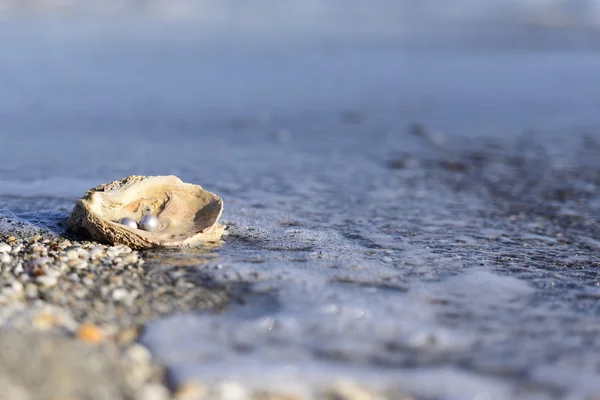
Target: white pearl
{"points": [[129, 222], [149, 223]]}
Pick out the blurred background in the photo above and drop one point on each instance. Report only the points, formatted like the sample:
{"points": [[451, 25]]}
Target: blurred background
{"points": [[95, 90], [141, 70]]}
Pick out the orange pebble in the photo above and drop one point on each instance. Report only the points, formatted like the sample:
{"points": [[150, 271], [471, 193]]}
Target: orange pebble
{"points": [[90, 333]]}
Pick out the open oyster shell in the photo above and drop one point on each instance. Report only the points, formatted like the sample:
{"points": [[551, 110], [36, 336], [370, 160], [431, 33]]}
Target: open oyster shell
{"points": [[187, 213]]}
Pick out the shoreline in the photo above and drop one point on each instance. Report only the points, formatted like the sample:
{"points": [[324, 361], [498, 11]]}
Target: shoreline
{"points": [[72, 313]]}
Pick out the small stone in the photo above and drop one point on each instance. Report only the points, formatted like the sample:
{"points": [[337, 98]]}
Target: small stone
{"points": [[81, 265], [5, 248], [17, 286], [138, 354], [153, 392], [18, 270], [190, 391], [88, 282], [129, 335], [37, 248], [228, 390], [139, 367], [90, 333], [96, 253], [46, 320], [12, 238], [46, 281], [119, 294], [38, 262], [31, 290], [347, 390], [113, 252], [131, 259], [4, 258], [271, 395], [125, 249], [72, 255]]}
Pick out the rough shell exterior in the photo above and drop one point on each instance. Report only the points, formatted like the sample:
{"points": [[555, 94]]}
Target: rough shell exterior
{"points": [[188, 215]]}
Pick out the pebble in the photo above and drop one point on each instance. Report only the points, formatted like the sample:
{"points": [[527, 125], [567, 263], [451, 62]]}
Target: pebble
{"points": [[119, 294], [348, 390], [38, 248], [105, 286], [17, 286], [113, 252], [46, 281], [72, 255], [90, 333], [138, 359], [38, 262], [46, 320], [81, 265], [18, 270], [88, 282], [190, 391], [131, 258], [153, 392], [31, 290], [228, 390], [138, 354], [96, 253]]}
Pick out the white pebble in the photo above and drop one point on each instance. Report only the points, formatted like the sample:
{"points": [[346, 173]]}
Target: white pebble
{"points": [[119, 294], [96, 253], [229, 390], [83, 253], [5, 248], [123, 249], [138, 354], [131, 258], [87, 282], [18, 269], [47, 281], [113, 252], [72, 255], [37, 248], [38, 262], [17, 286], [81, 265], [153, 391], [4, 258]]}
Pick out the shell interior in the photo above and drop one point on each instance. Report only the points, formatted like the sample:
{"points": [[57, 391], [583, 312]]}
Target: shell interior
{"points": [[184, 211]]}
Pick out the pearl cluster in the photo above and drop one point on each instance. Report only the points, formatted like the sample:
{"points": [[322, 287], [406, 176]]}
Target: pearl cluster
{"points": [[147, 222]]}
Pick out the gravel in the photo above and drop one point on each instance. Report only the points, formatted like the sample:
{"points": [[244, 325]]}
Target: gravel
{"points": [[84, 304]]}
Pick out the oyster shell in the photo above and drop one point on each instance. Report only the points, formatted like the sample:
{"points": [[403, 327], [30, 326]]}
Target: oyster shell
{"points": [[187, 213]]}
